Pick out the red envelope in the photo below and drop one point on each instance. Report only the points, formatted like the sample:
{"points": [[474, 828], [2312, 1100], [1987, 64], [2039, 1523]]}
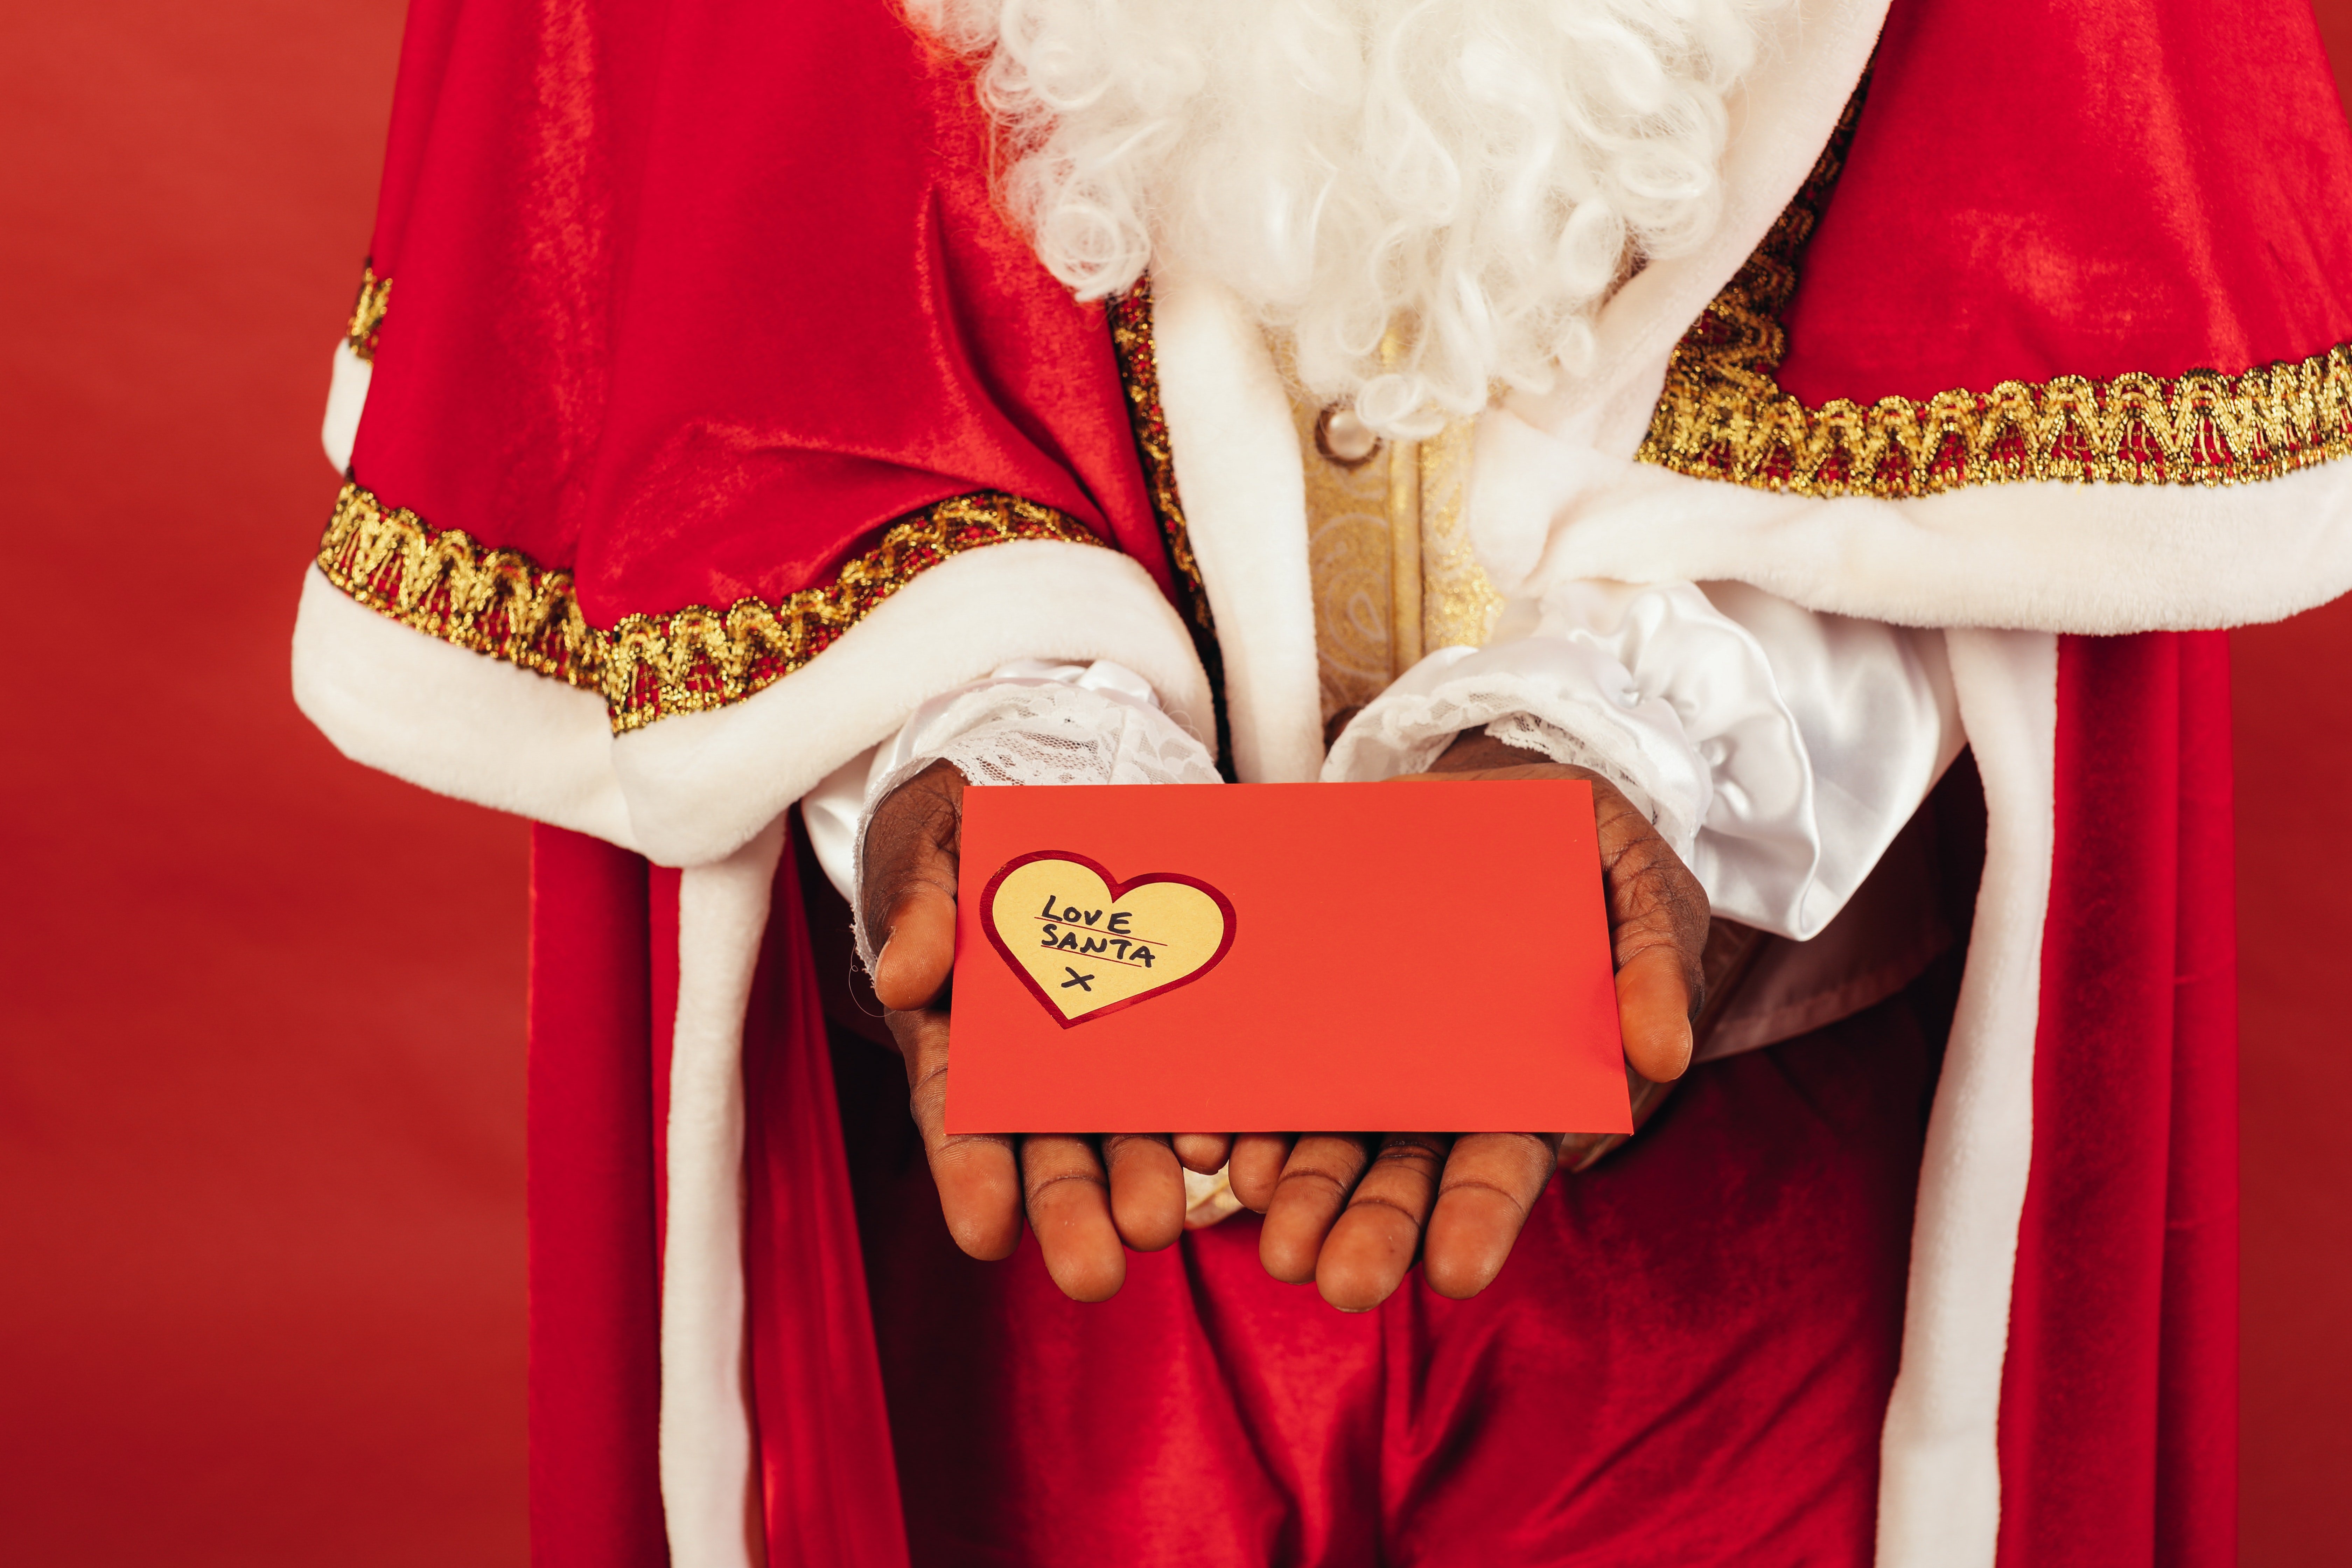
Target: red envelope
{"points": [[1425, 957]]}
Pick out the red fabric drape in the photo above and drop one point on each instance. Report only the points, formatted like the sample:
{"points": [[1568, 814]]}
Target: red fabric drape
{"points": [[596, 1373], [2040, 188], [603, 1001], [2119, 1397], [1682, 1364], [826, 1464], [694, 297]]}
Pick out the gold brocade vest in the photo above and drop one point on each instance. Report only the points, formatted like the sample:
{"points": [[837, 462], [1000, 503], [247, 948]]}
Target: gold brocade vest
{"points": [[1394, 578], [1389, 550]]}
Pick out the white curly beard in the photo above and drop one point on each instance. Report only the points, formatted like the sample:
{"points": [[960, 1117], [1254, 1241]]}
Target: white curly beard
{"points": [[1423, 197]]}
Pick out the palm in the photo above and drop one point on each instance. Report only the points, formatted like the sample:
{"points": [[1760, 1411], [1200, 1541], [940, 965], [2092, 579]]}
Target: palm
{"points": [[1350, 1211]]}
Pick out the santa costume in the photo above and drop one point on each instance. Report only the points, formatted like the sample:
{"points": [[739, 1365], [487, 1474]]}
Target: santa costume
{"points": [[1757, 403]]}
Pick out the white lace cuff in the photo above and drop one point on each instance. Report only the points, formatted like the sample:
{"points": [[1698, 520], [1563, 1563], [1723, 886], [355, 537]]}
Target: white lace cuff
{"points": [[1573, 701], [1778, 750], [1034, 723]]}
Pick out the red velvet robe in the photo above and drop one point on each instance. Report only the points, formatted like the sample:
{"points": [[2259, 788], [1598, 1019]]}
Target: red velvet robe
{"points": [[692, 300], [1685, 1361]]}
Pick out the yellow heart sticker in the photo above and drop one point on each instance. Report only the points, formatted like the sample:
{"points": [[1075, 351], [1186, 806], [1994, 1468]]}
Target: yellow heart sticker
{"points": [[1086, 945]]}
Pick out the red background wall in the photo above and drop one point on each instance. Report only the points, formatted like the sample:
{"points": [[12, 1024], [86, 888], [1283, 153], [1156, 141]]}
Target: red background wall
{"points": [[262, 1280], [261, 1285]]}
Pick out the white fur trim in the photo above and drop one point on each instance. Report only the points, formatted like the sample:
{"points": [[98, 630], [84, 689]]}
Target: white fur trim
{"points": [[701, 784], [2095, 558], [346, 398], [457, 723], [1782, 113], [1244, 490], [1555, 497], [708, 1491], [691, 790], [831, 813], [1939, 1478]]}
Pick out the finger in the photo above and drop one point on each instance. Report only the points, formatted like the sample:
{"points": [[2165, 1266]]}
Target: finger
{"points": [[1255, 1169], [1490, 1185], [1654, 1009], [1322, 1170], [908, 893], [1069, 1208], [1147, 1189], [979, 1185], [1204, 1152], [1371, 1246], [1658, 920], [918, 949]]}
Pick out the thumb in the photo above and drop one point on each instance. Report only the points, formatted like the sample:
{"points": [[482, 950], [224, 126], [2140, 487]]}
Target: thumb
{"points": [[918, 949], [1653, 1004], [912, 848]]}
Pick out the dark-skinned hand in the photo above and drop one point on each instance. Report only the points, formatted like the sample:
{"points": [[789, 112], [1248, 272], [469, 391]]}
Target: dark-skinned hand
{"points": [[1087, 1198], [1352, 1212], [1346, 1211]]}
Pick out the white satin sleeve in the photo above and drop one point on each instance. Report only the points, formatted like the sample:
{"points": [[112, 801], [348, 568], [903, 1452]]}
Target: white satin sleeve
{"points": [[1778, 750], [1028, 723]]}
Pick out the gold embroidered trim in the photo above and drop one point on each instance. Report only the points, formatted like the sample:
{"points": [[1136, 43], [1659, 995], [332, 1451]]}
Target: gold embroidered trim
{"points": [[1129, 315], [497, 602], [503, 603], [1722, 415], [367, 313], [1139, 373], [1458, 602]]}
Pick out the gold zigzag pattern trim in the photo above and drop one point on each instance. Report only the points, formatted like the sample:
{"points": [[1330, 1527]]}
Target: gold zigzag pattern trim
{"points": [[367, 313], [1139, 367], [503, 603], [1129, 315], [1722, 415]]}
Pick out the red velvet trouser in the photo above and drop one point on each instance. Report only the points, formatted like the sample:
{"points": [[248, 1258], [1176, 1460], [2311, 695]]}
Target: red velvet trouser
{"points": [[1684, 1363]]}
